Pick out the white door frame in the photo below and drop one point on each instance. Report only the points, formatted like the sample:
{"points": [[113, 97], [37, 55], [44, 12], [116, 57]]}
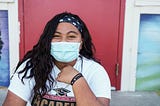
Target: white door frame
{"points": [[14, 32], [130, 43]]}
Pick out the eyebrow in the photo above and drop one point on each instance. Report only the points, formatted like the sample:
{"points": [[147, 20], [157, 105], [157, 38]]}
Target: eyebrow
{"points": [[73, 32], [68, 32]]}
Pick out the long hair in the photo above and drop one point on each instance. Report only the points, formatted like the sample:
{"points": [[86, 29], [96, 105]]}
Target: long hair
{"points": [[39, 60]]}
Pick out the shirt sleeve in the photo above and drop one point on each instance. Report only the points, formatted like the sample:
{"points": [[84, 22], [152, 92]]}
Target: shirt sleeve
{"points": [[23, 90], [99, 82]]}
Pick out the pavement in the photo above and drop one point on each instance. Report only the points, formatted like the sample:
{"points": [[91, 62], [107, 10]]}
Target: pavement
{"points": [[119, 98], [135, 99]]}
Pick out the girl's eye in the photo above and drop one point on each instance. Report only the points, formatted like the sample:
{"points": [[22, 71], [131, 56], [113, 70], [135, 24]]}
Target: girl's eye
{"points": [[56, 36], [72, 36]]}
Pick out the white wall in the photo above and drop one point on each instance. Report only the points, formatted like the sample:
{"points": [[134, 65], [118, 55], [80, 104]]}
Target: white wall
{"points": [[13, 28], [130, 45]]}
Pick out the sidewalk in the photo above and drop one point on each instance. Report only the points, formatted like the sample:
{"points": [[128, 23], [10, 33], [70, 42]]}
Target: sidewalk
{"points": [[3, 92], [120, 98], [135, 99]]}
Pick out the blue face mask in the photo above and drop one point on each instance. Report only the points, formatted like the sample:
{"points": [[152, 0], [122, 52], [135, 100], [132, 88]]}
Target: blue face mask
{"points": [[65, 51]]}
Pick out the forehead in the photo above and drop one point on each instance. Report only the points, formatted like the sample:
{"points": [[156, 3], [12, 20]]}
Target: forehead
{"points": [[63, 26]]}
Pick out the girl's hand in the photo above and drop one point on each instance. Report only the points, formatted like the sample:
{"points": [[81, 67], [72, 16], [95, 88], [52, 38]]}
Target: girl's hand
{"points": [[66, 75]]}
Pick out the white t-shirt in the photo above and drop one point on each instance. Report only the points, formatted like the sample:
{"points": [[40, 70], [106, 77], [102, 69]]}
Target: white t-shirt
{"points": [[95, 75]]}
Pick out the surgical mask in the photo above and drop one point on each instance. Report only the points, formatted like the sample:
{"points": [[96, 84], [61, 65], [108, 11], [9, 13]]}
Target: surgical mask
{"points": [[65, 51]]}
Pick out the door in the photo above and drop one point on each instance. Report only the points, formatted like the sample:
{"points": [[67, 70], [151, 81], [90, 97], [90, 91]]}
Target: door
{"points": [[101, 16], [148, 64]]}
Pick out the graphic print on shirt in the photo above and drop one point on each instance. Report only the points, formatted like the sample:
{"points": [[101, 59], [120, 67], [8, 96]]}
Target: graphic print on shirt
{"points": [[53, 100], [61, 91], [58, 97]]}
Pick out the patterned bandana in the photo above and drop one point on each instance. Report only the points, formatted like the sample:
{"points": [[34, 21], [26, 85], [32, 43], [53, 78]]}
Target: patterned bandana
{"points": [[73, 21]]}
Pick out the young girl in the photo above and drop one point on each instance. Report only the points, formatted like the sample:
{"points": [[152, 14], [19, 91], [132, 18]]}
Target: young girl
{"points": [[61, 69]]}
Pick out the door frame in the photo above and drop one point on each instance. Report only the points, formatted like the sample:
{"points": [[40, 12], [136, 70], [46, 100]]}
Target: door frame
{"points": [[13, 31], [134, 8], [120, 42]]}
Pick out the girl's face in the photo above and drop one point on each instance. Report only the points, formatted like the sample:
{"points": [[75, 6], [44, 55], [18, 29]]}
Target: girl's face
{"points": [[66, 32]]}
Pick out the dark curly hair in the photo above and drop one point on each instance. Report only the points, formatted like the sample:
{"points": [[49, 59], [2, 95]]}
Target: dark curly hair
{"points": [[39, 60]]}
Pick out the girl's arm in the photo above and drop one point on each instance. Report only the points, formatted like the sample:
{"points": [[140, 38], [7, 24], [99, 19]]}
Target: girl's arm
{"points": [[85, 97], [83, 94], [13, 100]]}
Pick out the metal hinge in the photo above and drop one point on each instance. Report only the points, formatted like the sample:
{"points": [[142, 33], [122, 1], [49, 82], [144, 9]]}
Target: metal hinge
{"points": [[117, 69]]}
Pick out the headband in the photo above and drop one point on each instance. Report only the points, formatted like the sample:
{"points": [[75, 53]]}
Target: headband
{"points": [[73, 21]]}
